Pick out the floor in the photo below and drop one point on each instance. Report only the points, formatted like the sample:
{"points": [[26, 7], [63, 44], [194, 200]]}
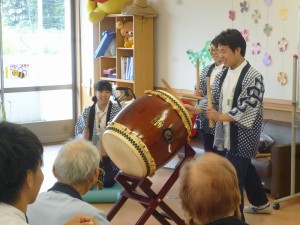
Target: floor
{"points": [[131, 211]]}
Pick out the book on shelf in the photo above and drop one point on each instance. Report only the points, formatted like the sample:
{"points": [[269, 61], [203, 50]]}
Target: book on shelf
{"points": [[127, 68], [113, 75], [123, 67], [130, 74], [110, 71]]}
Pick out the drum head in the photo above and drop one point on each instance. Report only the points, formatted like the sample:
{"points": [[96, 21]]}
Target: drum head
{"points": [[127, 151]]}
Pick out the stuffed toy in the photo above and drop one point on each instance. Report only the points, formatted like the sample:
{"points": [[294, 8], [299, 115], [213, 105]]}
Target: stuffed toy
{"points": [[98, 9], [126, 30]]}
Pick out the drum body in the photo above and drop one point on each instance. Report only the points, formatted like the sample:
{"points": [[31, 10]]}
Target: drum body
{"points": [[147, 133]]}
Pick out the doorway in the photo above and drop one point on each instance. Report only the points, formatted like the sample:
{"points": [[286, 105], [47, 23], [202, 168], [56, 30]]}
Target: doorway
{"points": [[37, 66]]}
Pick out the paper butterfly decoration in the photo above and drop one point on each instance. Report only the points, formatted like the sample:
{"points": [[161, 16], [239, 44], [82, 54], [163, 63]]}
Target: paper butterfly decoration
{"points": [[203, 55], [268, 30], [283, 13], [256, 16], [244, 6], [245, 34], [256, 47], [267, 60], [282, 78], [231, 15], [282, 44], [268, 2]]}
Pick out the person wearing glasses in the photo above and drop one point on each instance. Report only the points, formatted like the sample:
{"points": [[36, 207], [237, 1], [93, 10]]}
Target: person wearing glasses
{"points": [[76, 169], [237, 99], [207, 133], [21, 176]]}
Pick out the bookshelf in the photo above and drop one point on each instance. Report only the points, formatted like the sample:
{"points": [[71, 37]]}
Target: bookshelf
{"points": [[141, 54]]}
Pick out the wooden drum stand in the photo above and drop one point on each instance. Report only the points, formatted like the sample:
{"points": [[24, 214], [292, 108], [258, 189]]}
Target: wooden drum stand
{"points": [[150, 200]]}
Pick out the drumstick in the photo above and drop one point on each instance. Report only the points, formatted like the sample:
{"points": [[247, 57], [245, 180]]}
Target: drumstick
{"points": [[197, 74], [211, 122], [170, 90], [195, 97]]}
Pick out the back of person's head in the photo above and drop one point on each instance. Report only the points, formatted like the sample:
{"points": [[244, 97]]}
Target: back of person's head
{"points": [[20, 152], [233, 39], [76, 162], [103, 85], [209, 189]]}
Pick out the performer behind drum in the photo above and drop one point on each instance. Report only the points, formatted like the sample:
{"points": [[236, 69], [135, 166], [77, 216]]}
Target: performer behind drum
{"points": [[207, 133], [92, 123], [237, 97]]}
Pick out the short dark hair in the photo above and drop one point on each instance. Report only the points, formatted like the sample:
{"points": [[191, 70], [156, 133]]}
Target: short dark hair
{"points": [[20, 151], [103, 85], [215, 41], [233, 39]]}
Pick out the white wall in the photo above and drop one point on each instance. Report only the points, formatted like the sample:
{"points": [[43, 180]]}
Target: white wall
{"points": [[188, 24]]}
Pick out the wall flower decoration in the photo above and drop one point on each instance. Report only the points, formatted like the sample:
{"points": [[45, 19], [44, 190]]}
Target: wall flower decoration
{"points": [[282, 78], [268, 30], [231, 15], [256, 48], [282, 44], [256, 16], [267, 59], [283, 13], [268, 2], [245, 34], [244, 6]]}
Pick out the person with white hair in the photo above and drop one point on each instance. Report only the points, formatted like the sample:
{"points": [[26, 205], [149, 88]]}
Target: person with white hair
{"points": [[76, 169], [21, 159]]}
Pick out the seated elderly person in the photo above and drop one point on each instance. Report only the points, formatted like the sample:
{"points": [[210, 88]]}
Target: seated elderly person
{"points": [[209, 191], [21, 158], [76, 168]]}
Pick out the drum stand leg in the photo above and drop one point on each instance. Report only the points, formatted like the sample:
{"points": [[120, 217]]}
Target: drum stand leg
{"points": [[150, 200]]}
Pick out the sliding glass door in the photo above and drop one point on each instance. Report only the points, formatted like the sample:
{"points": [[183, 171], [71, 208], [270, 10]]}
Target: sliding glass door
{"points": [[37, 75]]}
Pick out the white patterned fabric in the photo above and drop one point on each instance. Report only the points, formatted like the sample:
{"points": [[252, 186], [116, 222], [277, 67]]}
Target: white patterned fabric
{"points": [[228, 90], [81, 122], [247, 112], [201, 119]]}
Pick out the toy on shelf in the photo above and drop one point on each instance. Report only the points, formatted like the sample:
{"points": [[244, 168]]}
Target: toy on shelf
{"points": [[98, 9], [126, 30]]}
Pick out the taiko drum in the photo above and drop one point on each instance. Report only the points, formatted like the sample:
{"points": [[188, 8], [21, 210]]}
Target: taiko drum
{"points": [[147, 133]]}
